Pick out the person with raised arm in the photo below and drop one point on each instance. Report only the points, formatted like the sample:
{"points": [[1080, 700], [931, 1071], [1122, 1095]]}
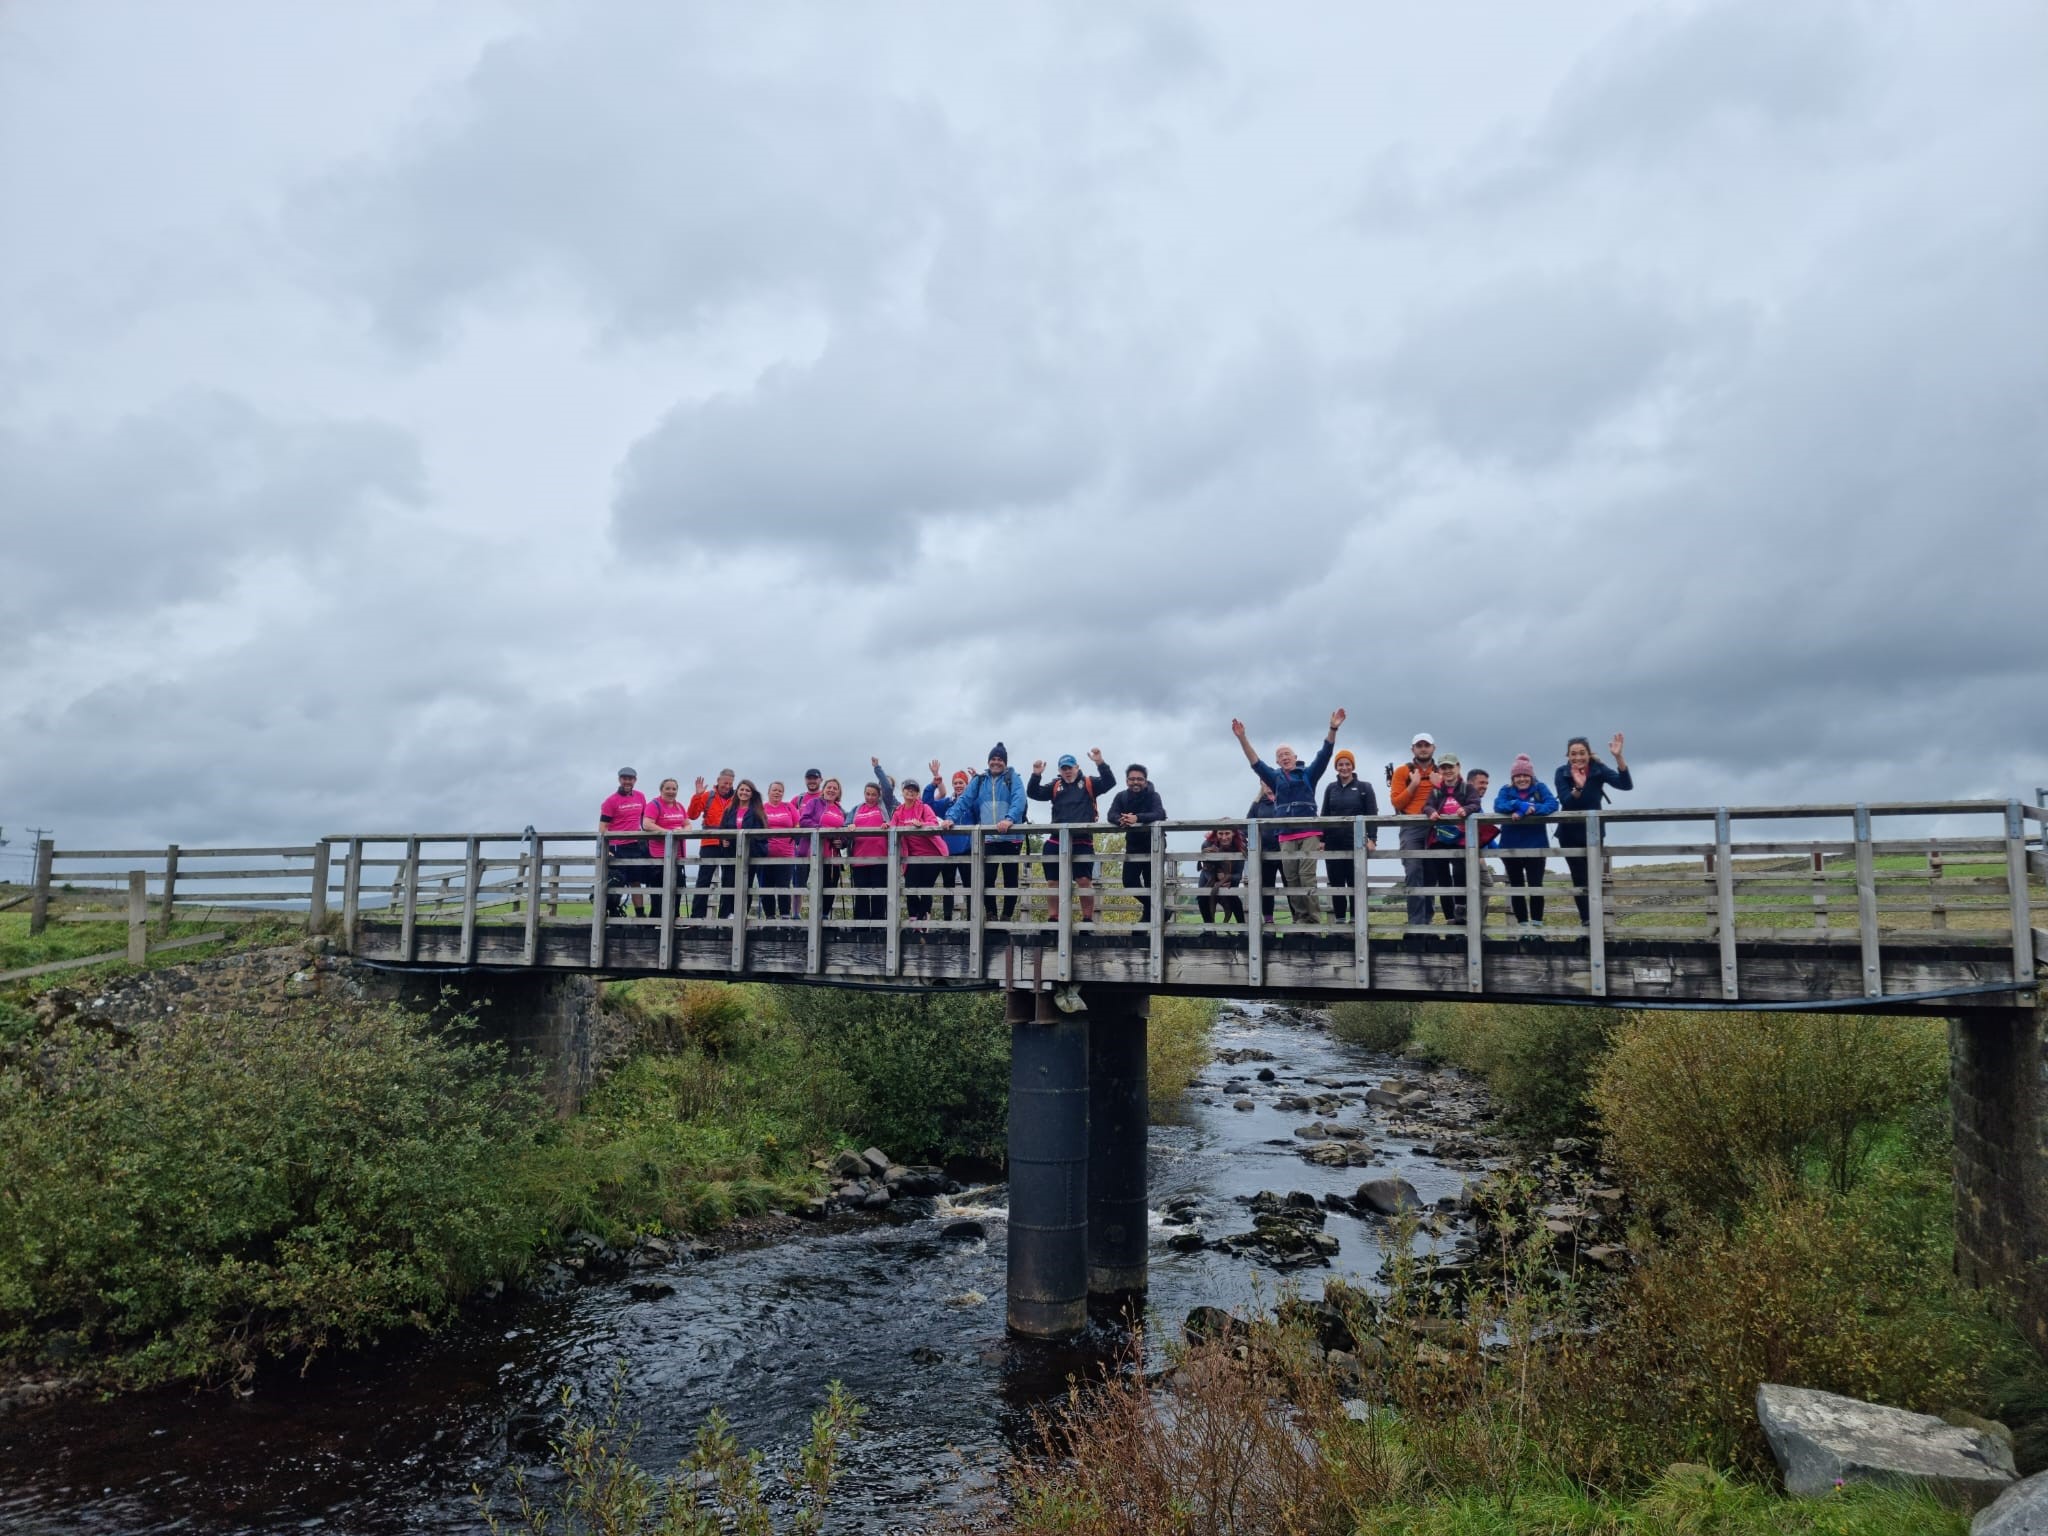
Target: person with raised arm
{"points": [[916, 846], [1073, 797], [1408, 790], [1347, 795], [1523, 797], [1294, 792], [995, 800], [623, 811], [666, 813], [706, 808], [868, 867], [1582, 783], [1136, 806], [954, 872]]}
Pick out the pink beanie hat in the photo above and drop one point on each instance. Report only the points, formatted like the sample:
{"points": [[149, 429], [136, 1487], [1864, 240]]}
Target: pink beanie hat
{"points": [[1521, 764]]}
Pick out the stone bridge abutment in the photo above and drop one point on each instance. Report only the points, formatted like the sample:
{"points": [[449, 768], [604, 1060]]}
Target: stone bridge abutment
{"points": [[1998, 1105]]}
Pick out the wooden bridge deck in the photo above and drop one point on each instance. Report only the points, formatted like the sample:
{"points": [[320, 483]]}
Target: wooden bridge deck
{"points": [[1931, 906]]}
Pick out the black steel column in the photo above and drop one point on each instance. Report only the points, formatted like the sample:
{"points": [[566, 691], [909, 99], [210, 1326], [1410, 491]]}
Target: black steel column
{"points": [[1118, 1122], [1048, 1282]]}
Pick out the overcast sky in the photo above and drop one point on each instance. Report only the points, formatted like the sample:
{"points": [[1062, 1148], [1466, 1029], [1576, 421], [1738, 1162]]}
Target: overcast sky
{"points": [[410, 413]]}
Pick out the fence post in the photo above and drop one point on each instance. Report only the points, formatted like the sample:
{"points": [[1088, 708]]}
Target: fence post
{"points": [[742, 879], [600, 899], [170, 884], [1475, 907], [814, 911], [977, 920], [316, 905], [409, 876], [2016, 884], [529, 943], [1255, 904], [138, 916], [1065, 925], [668, 900], [39, 903], [1866, 905], [351, 893], [472, 874], [1160, 897], [1596, 906], [555, 889], [892, 936], [1724, 899], [1361, 945]]}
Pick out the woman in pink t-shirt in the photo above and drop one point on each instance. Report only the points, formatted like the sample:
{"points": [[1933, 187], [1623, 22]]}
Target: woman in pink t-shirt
{"points": [[919, 875], [780, 879], [666, 813], [826, 811]]}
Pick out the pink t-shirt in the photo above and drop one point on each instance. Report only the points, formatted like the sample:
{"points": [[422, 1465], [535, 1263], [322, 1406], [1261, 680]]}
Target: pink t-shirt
{"points": [[865, 815], [916, 845], [670, 818], [782, 815], [623, 813]]}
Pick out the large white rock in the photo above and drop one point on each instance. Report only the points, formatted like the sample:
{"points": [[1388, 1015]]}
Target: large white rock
{"points": [[2022, 1510], [1821, 1440]]}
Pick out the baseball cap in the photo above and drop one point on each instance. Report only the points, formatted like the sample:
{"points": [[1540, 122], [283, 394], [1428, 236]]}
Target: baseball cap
{"points": [[1421, 737], [812, 773], [1068, 760], [627, 773], [1449, 760]]}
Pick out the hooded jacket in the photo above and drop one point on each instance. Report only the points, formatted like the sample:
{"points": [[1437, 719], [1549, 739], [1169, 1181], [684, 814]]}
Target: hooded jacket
{"points": [[1144, 804], [1294, 789], [1353, 799], [989, 799], [1536, 800]]}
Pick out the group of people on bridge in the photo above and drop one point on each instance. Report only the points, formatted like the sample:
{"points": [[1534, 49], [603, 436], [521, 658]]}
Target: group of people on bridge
{"points": [[934, 843]]}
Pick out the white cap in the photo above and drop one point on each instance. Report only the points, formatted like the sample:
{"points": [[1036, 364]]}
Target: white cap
{"points": [[1421, 737]]}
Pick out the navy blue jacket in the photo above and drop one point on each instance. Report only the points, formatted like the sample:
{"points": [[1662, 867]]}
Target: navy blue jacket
{"points": [[1572, 834], [1295, 790], [1269, 837], [1353, 799], [1144, 804]]}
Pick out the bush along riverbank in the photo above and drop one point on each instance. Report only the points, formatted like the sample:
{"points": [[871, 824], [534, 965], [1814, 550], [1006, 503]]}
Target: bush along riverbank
{"points": [[191, 1198], [1588, 1360]]}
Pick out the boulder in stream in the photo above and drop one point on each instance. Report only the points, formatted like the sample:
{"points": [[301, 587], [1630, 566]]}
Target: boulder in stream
{"points": [[1821, 1440], [2022, 1510], [1389, 1197]]}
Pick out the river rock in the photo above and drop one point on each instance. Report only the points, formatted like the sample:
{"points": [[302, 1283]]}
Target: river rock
{"points": [[1268, 1075], [1186, 1240], [1415, 1099], [2022, 1510], [1242, 1104], [1382, 1098], [963, 1231], [650, 1290], [848, 1165], [1291, 1103], [876, 1199], [876, 1159], [1338, 1154], [1204, 1323], [1821, 1439], [814, 1209], [918, 1181], [1389, 1197]]}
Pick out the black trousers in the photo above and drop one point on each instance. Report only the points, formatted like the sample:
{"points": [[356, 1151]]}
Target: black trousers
{"points": [[707, 876], [870, 875], [954, 872], [1138, 876], [1340, 869], [1271, 878], [918, 881], [1449, 874], [1575, 861], [1006, 874], [1526, 872], [619, 881]]}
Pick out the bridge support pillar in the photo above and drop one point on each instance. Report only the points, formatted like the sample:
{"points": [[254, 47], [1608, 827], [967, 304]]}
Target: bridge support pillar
{"points": [[1117, 1125], [1048, 1267], [1998, 1101]]}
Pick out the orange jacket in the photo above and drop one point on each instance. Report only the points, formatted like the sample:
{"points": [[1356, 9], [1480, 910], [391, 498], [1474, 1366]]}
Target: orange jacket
{"points": [[1409, 792], [707, 806]]}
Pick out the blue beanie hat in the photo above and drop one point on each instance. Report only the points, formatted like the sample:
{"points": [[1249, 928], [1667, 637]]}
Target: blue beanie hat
{"points": [[999, 750]]}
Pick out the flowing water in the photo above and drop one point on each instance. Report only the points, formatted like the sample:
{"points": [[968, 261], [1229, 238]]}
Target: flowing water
{"points": [[392, 1440]]}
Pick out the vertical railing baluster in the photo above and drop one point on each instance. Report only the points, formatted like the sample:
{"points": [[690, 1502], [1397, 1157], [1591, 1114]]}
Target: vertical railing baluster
{"points": [[743, 894], [529, 942], [1596, 908], [977, 919], [1156, 965], [1361, 941], [814, 913], [2016, 885], [1065, 925], [1255, 904], [351, 894], [472, 875], [601, 872], [316, 901], [1724, 900], [408, 918], [1866, 905], [170, 885], [666, 956], [1475, 907], [892, 937]]}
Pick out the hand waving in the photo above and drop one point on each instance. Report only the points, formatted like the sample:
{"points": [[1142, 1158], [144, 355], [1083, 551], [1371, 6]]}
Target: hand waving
{"points": [[1336, 718]]}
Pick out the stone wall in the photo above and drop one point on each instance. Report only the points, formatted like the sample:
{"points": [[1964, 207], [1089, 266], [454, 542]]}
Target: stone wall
{"points": [[555, 1020], [1998, 1097]]}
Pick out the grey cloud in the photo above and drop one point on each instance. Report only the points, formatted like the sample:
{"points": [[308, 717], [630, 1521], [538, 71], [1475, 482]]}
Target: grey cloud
{"points": [[173, 506], [649, 161]]}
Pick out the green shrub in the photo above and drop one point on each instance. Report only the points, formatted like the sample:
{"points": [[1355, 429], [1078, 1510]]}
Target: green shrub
{"points": [[930, 1071], [1376, 1026], [1538, 1061], [1176, 1045], [672, 1015], [1702, 1108], [212, 1191]]}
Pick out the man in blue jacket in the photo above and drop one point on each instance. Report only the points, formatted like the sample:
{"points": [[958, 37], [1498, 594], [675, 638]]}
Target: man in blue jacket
{"points": [[995, 800], [1294, 788]]}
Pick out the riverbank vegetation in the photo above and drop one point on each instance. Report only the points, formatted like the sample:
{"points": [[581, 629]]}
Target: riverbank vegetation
{"points": [[1792, 1223], [197, 1196]]}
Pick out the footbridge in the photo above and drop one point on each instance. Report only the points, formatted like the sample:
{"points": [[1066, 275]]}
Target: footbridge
{"points": [[1922, 907]]}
